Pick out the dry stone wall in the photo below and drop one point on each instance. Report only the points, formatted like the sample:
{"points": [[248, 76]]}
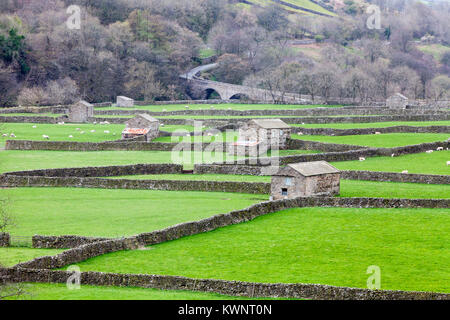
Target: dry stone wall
{"points": [[4, 239], [396, 177], [363, 131], [62, 242], [234, 288]]}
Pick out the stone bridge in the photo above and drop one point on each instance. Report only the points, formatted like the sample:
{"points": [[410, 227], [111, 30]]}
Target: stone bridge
{"points": [[199, 88]]}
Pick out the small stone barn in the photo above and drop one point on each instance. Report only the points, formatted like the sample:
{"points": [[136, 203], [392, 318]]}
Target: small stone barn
{"points": [[81, 111], [141, 125], [305, 179], [397, 101], [123, 101], [271, 131]]}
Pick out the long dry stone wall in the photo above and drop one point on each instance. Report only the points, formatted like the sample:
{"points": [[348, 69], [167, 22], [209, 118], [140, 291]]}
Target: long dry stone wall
{"points": [[234, 288], [364, 131], [105, 171], [396, 177], [95, 249], [62, 242], [166, 185]]}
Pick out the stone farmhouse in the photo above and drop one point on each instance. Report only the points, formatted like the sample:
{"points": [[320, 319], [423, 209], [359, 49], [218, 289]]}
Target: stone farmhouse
{"points": [[124, 102], [81, 111], [141, 125], [397, 101], [305, 179], [273, 131]]}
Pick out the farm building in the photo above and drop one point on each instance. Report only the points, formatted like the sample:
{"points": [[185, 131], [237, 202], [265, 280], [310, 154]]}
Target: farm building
{"points": [[272, 131], [124, 102], [305, 179], [81, 111], [397, 101], [141, 125]]}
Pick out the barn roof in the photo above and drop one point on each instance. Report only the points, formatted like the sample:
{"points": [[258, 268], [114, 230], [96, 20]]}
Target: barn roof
{"points": [[308, 169], [83, 103], [271, 123], [135, 131], [148, 117]]}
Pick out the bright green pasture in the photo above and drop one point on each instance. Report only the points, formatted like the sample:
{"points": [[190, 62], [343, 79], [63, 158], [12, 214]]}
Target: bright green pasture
{"points": [[53, 291], [434, 163], [11, 256], [56, 132], [12, 160], [113, 213], [333, 246], [373, 124], [223, 106], [386, 140]]}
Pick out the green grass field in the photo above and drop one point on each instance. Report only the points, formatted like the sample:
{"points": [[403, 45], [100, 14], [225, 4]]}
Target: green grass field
{"points": [[333, 246], [113, 213], [52, 291], [373, 124], [222, 106], [386, 140], [434, 163], [11, 256]]}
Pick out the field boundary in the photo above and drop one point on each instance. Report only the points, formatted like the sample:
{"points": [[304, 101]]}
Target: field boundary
{"points": [[367, 131], [233, 288]]}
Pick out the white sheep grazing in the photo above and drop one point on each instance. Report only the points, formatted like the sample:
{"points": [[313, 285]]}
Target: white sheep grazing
{"points": [[300, 133], [34, 127], [164, 110], [440, 149], [5, 134], [429, 151], [187, 107], [61, 123], [106, 131], [377, 132], [45, 136], [92, 131], [12, 135], [362, 159], [405, 171], [82, 132], [71, 136], [78, 129], [95, 122], [393, 155], [448, 163]]}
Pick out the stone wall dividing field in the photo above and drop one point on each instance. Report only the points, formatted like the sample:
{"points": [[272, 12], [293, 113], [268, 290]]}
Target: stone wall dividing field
{"points": [[233, 288], [364, 131], [165, 185], [4, 239], [178, 231], [396, 177], [104, 171], [62, 242]]}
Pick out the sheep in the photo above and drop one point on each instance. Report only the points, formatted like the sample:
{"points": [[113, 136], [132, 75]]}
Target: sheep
{"points": [[393, 155], [34, 127], [5, 134], [362, 159], [12, 135], [405, 171], [440, 149], [186, 107], [61, 123], [164, 110], [71, 136], [45, 137], [95, 122], [78, 129], [162, 124], [92, 131], [377, 132], [82, 132], [429, 151], [106, 131], [300, 133], [448, 163]]}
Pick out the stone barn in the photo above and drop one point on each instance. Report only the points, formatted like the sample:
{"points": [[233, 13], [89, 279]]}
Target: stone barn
{"points": [[397, 101], [81, 111], [305, 179], [141, 125], [124, 102], [274, 132]]}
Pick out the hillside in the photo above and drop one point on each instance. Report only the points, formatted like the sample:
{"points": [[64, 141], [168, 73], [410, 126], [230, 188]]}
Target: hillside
{"points": [[295, 6]]}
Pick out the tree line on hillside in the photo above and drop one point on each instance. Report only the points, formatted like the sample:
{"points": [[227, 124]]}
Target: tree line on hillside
{"points": [[138, 48]]}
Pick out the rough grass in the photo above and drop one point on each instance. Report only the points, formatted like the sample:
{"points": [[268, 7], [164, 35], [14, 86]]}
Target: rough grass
{"points": [[434, 163], [373, 124], [113, 213], [53, 291], [386, 140], [332, 246], [11, 256]]}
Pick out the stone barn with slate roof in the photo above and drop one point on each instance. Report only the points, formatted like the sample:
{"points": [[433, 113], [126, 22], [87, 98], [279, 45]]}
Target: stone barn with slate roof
{"points": [[397, 101], [81, 112], [274, 132], [142, 124], [305, 179]]}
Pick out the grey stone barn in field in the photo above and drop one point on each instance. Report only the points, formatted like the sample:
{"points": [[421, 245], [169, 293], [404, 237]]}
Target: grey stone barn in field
{"points": [[271, 131], [81, 111], [397, 101], [305, 179], [141, 125]]}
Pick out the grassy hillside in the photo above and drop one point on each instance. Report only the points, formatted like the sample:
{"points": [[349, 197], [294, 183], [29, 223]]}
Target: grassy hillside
{"points": [[296, 6]]}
